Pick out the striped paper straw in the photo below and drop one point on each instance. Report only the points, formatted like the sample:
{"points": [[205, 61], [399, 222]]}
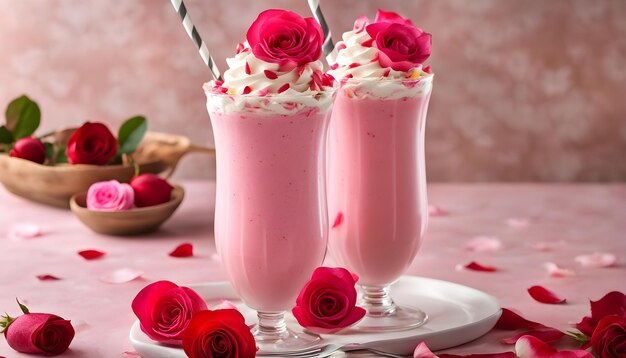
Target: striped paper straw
{"points": [[328, 47], [180, 8]]}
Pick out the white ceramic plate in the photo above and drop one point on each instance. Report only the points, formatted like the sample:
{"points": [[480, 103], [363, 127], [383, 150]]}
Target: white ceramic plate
{"points": [[457, 314]]}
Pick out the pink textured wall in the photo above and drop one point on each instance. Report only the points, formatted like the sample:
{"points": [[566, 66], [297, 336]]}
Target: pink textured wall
{"points": [[524, 90]]}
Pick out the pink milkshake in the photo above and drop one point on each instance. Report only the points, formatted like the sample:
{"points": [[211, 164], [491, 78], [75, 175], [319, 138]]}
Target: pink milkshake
{"points": [[376, 171]]}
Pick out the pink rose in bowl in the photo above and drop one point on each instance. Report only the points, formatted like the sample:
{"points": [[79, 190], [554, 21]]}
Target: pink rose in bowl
{"points": [[110, 196], [285, 38], [164, 310], [327, 303]]}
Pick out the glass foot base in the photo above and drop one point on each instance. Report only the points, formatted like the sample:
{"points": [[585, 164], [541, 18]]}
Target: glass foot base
{"points": [[290, 342], [399, 319]]}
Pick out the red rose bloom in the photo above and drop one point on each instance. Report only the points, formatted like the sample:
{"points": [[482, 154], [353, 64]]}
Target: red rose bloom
{"points": [[284, 37], [29, 148], [150, 190], [219, 333], [165, 310], [92, 143], [609, 337], [40, 333], [401, 46], [613, 303], [327, 303]]}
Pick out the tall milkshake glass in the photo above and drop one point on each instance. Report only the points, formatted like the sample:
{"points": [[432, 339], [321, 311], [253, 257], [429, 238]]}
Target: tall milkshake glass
{"points": [[271, 224], [377, 189]]}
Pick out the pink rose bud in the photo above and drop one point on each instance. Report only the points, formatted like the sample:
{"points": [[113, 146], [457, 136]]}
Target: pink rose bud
{"points": [[327, 303], [110, 196], [29, 148], [150, 190], [164, 310]]}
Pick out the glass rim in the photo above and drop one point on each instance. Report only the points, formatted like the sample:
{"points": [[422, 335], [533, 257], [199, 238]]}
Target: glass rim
{"points": [[272, 95]]}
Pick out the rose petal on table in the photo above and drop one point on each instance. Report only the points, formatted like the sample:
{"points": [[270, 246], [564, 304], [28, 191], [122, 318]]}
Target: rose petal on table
{"points": [[224, 305], [121, 276], [481, 355], [484, 244], [91, 254], [182, 250], [555, 270], [338, 220], [532, 347], [475, 266], [545, 334], [434, 211], [24, 231], [597, 259], [546, 245], [47, 277], [511, 321], [130, 354], [517, 222], [422, 351], [543, 295]]}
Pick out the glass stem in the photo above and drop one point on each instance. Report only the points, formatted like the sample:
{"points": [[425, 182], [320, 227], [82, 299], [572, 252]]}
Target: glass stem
{"points": [[272, 326], [377, 301]]}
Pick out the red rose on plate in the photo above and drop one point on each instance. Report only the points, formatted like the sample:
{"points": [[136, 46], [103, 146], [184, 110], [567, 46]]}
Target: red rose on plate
{"points": [[150, 190], [219, 333], [164, 310], [327, 303], [38, 333], [284, 37], [609, 337], [29, 148], [92, 143]]}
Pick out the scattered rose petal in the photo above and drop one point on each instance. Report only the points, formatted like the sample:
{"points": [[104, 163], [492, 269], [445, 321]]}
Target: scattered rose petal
{"points": [[434, 211], [182, 250], [422, 351], [517, 222], [47, 278], [545, 334], [511, 321], [484, 244], [474, 266], [130, 354], [24, 231], [338, 220], [121, 276], [91, 254], [531, 347], [597, 259], [555, 270], [541, 294], [224, 305], [546, 245], [484, 355]]}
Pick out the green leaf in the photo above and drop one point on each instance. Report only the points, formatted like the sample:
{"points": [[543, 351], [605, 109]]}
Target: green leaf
{"points": [[22, 117], [6, 137], [61, 156], [130, 134], [49, 150], [22, 307]]}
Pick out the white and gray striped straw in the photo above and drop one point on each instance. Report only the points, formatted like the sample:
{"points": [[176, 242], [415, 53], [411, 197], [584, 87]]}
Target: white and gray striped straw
{"points": [[328, 47], [180, 8]]}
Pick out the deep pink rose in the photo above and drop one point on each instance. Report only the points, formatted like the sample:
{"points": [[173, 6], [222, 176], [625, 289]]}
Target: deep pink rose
{"points": [[110, 196], [327, 303], [29, 148], [92, 143], [284, 37], [218, 333], [150, 190], [402, 46], [39, 333], [613, 303], [609, 337], [390, 16], [164, 310]]}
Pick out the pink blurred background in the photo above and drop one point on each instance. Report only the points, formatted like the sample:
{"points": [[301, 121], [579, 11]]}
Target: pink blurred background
{"points": [[524, 90]]}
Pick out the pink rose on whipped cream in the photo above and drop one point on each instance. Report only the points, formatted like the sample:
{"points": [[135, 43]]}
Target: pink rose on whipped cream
{"points": [[110, 196], [284, 37], [402, 46]]}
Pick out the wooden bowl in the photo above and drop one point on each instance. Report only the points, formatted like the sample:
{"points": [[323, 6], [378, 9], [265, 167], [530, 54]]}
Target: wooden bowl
{"points": [[127, 222], [158, 153]]}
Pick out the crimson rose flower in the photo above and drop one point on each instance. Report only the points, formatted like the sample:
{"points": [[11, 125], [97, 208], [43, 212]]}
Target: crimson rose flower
{"points": [[219, 333], [609, 337], [613, 303], [284, 37], [38, 333], [29, 148], [150, 190], [92, 143], [402, 46], [327, 303], [165, 310]]}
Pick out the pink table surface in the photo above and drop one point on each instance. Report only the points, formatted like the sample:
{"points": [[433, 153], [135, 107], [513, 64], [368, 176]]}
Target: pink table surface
{"points": [[586, 218]]}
